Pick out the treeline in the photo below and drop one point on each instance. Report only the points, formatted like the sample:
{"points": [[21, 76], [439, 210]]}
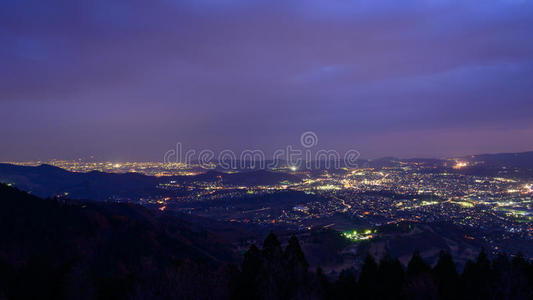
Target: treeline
{"points": [[52, 250], [274, 273]]}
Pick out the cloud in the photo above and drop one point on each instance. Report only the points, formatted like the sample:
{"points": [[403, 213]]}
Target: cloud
{"points": [[265, 68]]}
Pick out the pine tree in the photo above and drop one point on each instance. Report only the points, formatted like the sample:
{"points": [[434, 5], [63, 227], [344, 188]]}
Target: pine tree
{"points": [[502, 276], [252, 263], [420, 283], [368, 278], [296, 269], [417, 265], [522, 281], [274, 277], [272, 248], [249, 284], [323, 288], [294, 257], [390, 277], [476, 278], [445, 274], [346, 285]]}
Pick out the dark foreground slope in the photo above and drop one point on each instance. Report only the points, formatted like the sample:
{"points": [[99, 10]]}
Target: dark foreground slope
{"points": [[67, 250], [55, 250]]}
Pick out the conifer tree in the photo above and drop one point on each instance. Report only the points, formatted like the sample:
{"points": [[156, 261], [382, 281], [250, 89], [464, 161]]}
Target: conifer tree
{"points": [[390, 277], [273, 278], [417, 265], [346, 285], [446, 277], [420, 283], [296, 269], [368, 278]]}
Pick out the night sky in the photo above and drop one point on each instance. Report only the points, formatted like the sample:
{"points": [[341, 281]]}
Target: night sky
{"points": [[127, 80]]}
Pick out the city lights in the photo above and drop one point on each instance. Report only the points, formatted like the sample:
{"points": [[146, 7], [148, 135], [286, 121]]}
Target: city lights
{"points": [[355, 236], [460, 165]]}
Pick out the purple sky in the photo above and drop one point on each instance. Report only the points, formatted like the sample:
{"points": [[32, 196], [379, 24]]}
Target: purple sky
{"points": [[127, 80]]}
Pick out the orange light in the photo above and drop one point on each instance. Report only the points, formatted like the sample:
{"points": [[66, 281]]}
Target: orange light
{"points": [[460, 165]]}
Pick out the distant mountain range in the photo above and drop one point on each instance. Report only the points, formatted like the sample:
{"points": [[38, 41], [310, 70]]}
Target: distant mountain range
{"points": [[49, 181], [510, 160], [518, 165]]}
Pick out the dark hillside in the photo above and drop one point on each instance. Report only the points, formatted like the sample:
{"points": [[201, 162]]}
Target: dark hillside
{"points": [[50, 249]]}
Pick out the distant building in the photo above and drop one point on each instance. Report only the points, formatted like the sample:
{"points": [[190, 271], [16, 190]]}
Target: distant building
{"points": [[299, 208]]}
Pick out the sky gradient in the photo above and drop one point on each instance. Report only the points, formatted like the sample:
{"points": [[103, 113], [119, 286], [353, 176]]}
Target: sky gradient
{"points": [[127, 80]]}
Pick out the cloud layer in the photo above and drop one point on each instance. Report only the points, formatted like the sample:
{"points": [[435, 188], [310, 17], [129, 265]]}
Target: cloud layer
{"points": [[128, 79]]}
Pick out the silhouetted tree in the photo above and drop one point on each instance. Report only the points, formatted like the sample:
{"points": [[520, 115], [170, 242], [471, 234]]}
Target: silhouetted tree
{"points": [[390, 277], [522, 281], [417, 265], [368, 278], [420, 283], [248, 284], [271, 273], [446, 277], [296, 269], [323, 288], [272, 248], [476, 278], [346, 285], [273, 276]]}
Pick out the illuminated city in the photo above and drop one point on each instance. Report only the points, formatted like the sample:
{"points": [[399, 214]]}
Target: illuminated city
{"points": [[498, 209], [266, 150]]}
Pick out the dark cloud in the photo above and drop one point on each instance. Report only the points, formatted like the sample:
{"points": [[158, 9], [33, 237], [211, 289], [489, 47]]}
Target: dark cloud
{"points": [[128, 79]]}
